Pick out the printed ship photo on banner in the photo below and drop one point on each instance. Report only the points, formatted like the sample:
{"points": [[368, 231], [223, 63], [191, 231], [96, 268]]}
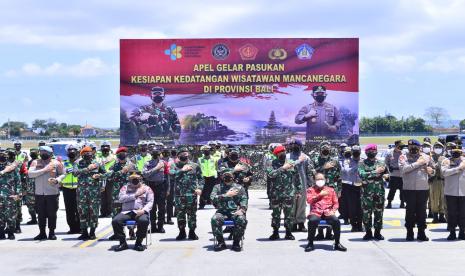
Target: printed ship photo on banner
{"points": [[239, 91]]}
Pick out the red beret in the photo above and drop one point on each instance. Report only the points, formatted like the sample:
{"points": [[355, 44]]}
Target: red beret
{"points": [[121, 149], [278, 150], [371, 147]]}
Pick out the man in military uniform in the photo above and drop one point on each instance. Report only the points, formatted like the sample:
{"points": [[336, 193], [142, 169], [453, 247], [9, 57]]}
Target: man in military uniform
{"points": [[372, 172], [188, 185], [156, 119], [436, 182], [89, 171], [323, 119], [10, 193], [267, 161], [170, 162], [29, 198], [209, 166], [21, 157], [107, 159], [230, 200], [286, 186], [69, 185], [242, 173]]}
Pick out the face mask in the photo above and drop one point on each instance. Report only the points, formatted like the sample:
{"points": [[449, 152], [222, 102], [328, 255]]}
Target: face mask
{"points": [[3, 158], [183, 158], [371, 154], [105, 150], [413, 150], [320, 183], [135, 181], [356, 154], [34, 155], [296, 149], [347, 155], [143, 150], [71, 155], [87, 157], [206, 153], [325, 152], [319, 98], [44, 156], [227, 178], [438, 150], [282, 157], [426, 150], [158, 99], [155, 155], [456, 154], [121, 156]]}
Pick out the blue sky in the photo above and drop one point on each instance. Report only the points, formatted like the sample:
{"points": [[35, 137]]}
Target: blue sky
{"points": [[60, 59]]}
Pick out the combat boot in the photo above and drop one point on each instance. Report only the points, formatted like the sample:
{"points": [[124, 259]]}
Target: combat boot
{"points": [[442, 218], [18, 227], [435, 218], [452, 236], [378, 235], [368, 236], [421, 236], [192, 235], [122, 245], [410, 234], [92, 234], [11, 235], [221, 245], [182, 234], [289, 235], [461, 234], [275, 235], [51, 235], [2, 234], [84, 236], [236, 245], [389, 205]]}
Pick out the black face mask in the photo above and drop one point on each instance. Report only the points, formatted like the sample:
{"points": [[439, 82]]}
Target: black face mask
{"points": [[105, 150], [135, 181], [325, 152], [155, 155], [18, 148], [87, 157], [227, 178], [455, 154], [72, 155], [158, 99], [371, 154], [234, 157], [183, 158], [319, 98], [174, 153], [356, 154], [3, 158], [206, 153], [413, 150], [296, 149], [121, 156], [34, 155], [347, 155], [44, 156]]}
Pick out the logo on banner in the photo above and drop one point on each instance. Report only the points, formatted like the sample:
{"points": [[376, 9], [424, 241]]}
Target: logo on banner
{"points": [[277, 54], [304, 52], [174, 52], [220, 51], [248, 52]]}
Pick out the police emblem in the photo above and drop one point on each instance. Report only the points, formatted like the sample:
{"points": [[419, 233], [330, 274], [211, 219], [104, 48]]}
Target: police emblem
{"points": [[304, 52], [220, 51], [248, 52], [277, 54]]}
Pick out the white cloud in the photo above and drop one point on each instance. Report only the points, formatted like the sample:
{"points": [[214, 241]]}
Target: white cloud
{"points": [[89, 67], [395, 63]]}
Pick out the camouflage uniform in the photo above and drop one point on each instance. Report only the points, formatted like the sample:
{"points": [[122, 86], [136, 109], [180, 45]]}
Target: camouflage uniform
{"points": [[238, 176], [317, 162], [88, 193], [227, 206], [10, 184], [372, 191], [285, 185], [162, 121], [185, 198], [118, 179], [29, 198]]}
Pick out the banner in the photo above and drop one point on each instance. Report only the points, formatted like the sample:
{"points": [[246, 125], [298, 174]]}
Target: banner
{"points": [[239, 91]]}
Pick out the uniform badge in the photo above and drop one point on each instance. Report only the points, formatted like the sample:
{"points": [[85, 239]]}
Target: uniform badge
{"points": [[248, 52], [304, 52], [220, 51]]}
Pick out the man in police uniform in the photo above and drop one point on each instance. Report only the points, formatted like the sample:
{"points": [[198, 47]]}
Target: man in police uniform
{"points": [[323, 119], [156, 119]]}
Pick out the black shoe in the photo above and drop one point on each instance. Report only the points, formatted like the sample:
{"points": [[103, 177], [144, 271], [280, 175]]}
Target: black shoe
{"points": [[339, 247], [461, 235], [368, 236], [289, 235], [309, 247], [421, 236], [2, 235], [113, 238], [139, 247], [122, 246], [302, 227], [221, 245], [40, 237], [170, 222], [51, 236], [410, 235], [92, 234], [11, 236], [275, 235], [378, 235], [389, 205], [31, 222], [346, 222], [435, 218], [402, 205], [84, 235], [182, 234], [159, 230], [236, 246], [452, 236], [192, 235], [442, 218]]}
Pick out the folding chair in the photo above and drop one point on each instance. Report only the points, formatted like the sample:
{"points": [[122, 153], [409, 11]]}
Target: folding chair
{"points": [[227, 223]]}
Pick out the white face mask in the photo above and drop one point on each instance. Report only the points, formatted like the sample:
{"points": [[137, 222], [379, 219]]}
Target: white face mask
{"points": [[320, 183], [426, 150], [438, 150]]}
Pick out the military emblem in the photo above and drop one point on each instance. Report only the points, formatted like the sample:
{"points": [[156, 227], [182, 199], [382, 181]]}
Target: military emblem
{"points": [[220, 51], [248, 52], [277, 54], [304, 52]]}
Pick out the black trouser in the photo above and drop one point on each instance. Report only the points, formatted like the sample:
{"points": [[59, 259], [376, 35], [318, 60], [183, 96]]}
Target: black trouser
{"points": [[120, 219], [395, 183], [354, 205], [455, 212], [72, 215], [344, 202], [47, 207], [313, 221], [106, 199], [157, 219], [210, 182], [170, 201], [415, 212]]}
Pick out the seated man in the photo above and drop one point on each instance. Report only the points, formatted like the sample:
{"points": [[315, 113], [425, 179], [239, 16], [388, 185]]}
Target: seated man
{"points": [[323, 205], [230, 199], [137, 201]]}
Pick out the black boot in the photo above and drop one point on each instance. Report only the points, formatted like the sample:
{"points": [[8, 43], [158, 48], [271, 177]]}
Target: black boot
{"points": [[402, 205], [221, 245], [192, 235], [182, 234], [435, 218], [339, 247], [122, 245], [389, 205], [51, 235], [92, 234], [452, 236], [11, 235], [84, 236], [442, 218], [275, 235], [236, 245], [368, 236], [309, 247], [461, 234], [378, 235], [138, 245], [410, 234], [289, 235], [2, 234], [42, 235], [421, 236], [302, 227], [18, 227]]}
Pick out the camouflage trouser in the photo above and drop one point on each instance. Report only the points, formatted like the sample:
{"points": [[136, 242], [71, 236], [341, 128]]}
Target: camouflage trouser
{"points": [[186, 206], [285, 205], [19, 212], [372, 204], [88, 206], [30, 197], [218, 219], [8, 210], [436, 197], [116, 208]]}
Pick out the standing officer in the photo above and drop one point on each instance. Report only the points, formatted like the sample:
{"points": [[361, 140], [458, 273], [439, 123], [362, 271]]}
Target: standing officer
{"points": [[436, 188], [267, 161], [69, 185], [142, 157], [107, 159], [395, 179], [209, 166], [10, 193], [169, 160], [30, 189]]}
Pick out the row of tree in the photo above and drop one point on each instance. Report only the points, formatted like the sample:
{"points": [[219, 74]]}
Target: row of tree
{"points": [[41, 127], [390, 124]]}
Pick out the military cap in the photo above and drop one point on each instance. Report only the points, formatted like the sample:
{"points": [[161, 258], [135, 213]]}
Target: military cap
{"points": [[157, 91], [414, 142], [318, 88]]}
